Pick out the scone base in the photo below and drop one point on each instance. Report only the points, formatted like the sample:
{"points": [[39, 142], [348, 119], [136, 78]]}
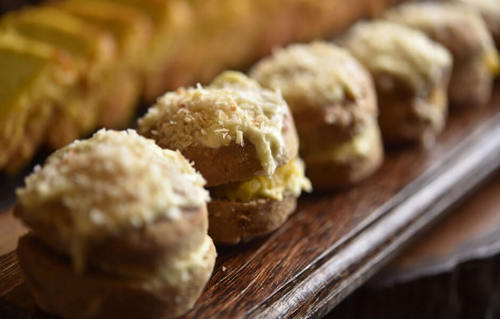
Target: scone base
{"points": [[58, 289], [232, 222]]}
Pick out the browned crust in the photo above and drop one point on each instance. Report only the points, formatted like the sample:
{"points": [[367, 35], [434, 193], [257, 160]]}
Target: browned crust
{"points": [[57, 289], [349, 117], [336, 175], [136, 251], [405, 117], [234, 163], [233, 222], [471, 83], [493, 24]]}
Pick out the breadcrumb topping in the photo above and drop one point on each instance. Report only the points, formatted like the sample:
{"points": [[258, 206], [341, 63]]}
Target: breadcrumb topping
{"points": [[392, 49], [232, 109], [313, 75], [110, 181]]}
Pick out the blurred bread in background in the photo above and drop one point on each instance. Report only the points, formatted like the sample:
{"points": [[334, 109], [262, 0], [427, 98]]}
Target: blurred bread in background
{"points": [[121, 51]]}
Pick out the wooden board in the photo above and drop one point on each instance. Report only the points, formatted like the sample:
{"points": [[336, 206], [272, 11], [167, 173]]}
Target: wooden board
{"points": [[452, 272], [335, 242]]}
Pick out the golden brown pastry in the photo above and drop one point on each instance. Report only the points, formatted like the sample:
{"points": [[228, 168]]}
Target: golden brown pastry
{"points": [[410, 73], [118, 229], [132, 31], [242, 139], [92, 51], [465, 35], [36, 78], [333, 102]]}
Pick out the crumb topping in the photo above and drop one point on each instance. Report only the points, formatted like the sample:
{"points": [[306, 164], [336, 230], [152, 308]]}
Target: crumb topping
{"points": [[398, 51], [313, 75], [112, 180], [232, 109]]}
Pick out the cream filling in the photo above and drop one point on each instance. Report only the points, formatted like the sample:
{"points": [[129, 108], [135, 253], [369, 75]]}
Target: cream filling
{"points": [[288, 179], [181, 270], [359, 146]]}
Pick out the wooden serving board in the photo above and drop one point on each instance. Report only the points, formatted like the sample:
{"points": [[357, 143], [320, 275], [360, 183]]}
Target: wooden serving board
{"points": [[452, 272], [335, 241]]}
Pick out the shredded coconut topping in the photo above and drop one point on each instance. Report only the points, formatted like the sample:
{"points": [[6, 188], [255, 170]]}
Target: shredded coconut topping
{"points": [[396, 50], [313, 75], [110, 181], [232, 109]]}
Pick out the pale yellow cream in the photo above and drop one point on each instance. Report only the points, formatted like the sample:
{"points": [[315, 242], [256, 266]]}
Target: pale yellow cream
{"points": [[288, 179], [359, 146], [398, 51], [232, 109]]}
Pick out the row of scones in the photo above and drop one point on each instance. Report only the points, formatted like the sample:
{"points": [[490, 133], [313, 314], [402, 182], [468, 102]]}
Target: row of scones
{"points": [[69, 67], [123, 219]]}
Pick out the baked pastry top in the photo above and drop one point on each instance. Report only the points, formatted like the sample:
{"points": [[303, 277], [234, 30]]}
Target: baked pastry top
{"points": [[312, 75], [460, 29], [233, 109], [390, 49], [110, 182]]}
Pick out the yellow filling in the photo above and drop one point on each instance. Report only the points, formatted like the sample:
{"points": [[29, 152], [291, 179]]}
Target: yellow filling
{"points": [[492, 63], [288, 179], [358, 146]]}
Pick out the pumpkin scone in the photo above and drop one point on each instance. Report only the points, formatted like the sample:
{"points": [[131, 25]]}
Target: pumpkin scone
{"points": [[242, 139], [411, 75], [333, 102], [463, 32], [118, 230]]}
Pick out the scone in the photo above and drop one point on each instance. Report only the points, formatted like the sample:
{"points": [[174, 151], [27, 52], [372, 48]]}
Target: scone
{"points": [[411, 74], [465, 35], [118, 230], [242, 139], [490, 11], [334, 106]]}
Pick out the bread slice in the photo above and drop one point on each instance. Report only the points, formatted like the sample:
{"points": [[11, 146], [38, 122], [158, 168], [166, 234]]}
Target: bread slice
{"points": [[58, 289], [93, 50], [233, 222], [37, 76], [132, 32]]}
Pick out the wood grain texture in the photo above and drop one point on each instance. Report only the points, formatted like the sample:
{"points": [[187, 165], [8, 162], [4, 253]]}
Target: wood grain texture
{"points": [[451, 272], [335, 242]]}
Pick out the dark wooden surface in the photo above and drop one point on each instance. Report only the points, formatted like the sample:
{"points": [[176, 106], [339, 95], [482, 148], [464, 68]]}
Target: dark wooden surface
{"points": [[452, 272], [334, 242]]}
